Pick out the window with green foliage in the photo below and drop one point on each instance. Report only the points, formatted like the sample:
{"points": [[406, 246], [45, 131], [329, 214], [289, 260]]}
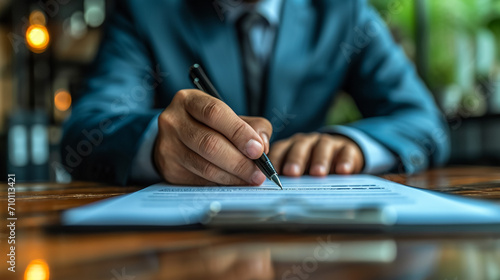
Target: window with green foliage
{"points": [[462, 41]]}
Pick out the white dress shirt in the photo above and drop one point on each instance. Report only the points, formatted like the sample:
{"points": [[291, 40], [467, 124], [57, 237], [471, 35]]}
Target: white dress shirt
{"points": [[377, 158]]}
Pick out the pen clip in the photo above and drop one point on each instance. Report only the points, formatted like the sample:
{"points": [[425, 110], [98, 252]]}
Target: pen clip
{"points": [[196, 82], [201, 80]]}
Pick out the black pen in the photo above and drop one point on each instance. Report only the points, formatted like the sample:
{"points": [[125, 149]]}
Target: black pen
{"points": [[201, 81]]}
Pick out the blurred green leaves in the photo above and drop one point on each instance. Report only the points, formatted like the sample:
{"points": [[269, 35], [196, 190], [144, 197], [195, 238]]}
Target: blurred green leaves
{"points": [[463, 51]]}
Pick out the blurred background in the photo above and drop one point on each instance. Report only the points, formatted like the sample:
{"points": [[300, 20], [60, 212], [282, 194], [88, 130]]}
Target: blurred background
{"points": [[46, 44]]}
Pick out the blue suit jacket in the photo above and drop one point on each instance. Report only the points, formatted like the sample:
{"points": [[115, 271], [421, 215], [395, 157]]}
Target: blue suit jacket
{"points": [[322, 47]]}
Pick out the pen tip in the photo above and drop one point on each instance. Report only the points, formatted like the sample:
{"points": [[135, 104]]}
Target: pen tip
{"points": [[277, 181]]}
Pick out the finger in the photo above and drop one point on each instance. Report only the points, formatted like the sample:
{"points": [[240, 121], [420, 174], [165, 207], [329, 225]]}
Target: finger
{"points": [[278, 153], [299, 154], [217, 149], [178, 175], [217, 115], [208, 171], [345, 162], [172, 171], [192, 179], [263, 127], [322, 156]]}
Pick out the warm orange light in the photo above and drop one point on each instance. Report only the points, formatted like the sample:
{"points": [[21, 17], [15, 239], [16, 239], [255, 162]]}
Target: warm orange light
{"points": [[62, 100], [37, 270], [37, 17], [37, 38]]}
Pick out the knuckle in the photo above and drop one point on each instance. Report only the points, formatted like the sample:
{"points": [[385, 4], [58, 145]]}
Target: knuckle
{"points": [[354, 150], [298, 136], [280, 143], [181, 95], [278, 148], [352, 144], [343, 139], [211, 111], [304, 139], [315, 135], [165, 120], [325, 138], [164, 116], [267, 123], [209, 144], [351, 147], [238, 131]]}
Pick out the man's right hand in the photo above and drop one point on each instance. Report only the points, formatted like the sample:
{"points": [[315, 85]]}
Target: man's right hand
{"points": [[201, 141]]}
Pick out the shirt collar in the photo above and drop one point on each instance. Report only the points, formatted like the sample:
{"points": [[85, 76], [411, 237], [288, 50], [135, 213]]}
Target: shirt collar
{"points": [[269, 9]]}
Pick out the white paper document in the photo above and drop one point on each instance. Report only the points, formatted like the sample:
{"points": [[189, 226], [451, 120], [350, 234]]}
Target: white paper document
{"points": [[330, 201]]}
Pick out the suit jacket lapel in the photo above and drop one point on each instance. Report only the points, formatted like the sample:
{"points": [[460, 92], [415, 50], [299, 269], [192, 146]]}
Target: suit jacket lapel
{"points": [[220, 56], [289, 59]]}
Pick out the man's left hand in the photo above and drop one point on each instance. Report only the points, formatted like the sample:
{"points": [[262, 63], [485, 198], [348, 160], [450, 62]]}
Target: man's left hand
{"points": [[316, 154]]}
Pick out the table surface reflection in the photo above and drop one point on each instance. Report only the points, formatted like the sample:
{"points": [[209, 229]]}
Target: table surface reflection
{"points": [[44, 251]]}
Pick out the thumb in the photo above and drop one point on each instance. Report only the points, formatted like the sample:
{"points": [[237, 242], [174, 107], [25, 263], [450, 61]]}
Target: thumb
{"points": [[263, 127]]}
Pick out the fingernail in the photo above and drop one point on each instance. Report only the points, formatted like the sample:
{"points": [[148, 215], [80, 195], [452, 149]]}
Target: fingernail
{"points": [[347, 166], [292, 169], [258, 177], [318, 169], [253, 149]]}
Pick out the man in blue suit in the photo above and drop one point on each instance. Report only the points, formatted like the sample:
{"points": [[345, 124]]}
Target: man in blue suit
{"points": [[277, 64]]}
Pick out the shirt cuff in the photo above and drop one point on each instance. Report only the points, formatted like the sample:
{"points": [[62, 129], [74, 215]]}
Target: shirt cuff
{"points": [[378, 159], [143, 168]]}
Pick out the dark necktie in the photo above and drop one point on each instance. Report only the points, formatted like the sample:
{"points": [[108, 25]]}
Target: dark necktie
{"points": [[253, 67]]}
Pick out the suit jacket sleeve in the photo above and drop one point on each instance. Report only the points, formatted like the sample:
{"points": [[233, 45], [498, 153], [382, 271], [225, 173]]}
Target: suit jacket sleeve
{"points": [[398, 110], [102, 135]]}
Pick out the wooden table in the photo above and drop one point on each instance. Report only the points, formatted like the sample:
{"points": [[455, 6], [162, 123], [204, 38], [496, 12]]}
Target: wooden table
{"points": [[207, 254]]}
